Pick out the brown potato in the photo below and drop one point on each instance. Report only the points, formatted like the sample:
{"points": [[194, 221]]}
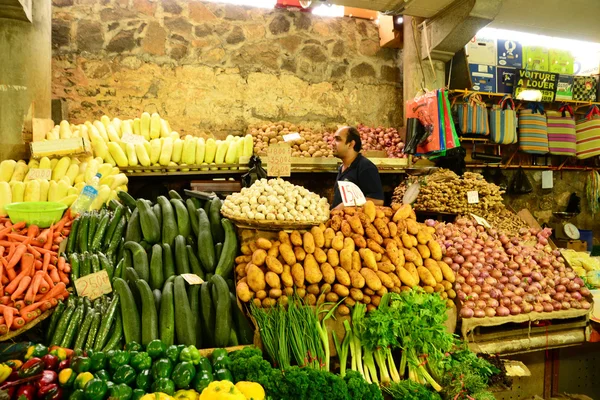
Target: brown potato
{"points": [[341, 290], [261, 294], [434, 268], [379, 213], [436, 250], [402, 213], [382, 227], [341, 275], [399, 242], [426, 277], [256, 278], [428, 289], [286, 276], [387, 241], [369, 210], [451, 293], [328, 273], [349, 244], [424, 251], [329, 234], [346, 259], [243, 292], [444, 295], [378, 257], [312, 272], [395, 279], [283, 300], [240, 270], [385, 279], [263, 243], [409, 256], [375, 300], [439, 288], [274, 265], [309, 243], [374, 246], [368, 291], [257, 302], [447, 285], [343, 309], [412, 269], [320, 255], [382, 292], [296, 238], [284, 237], [336, 223], [349, 301], [372, 233], [447, 272], [356, 225], [253, 247], [356, 294], [346, 229], [274, 250], [313, 289], [333, 257], [357, 280], [288, 291], [423, 236], [243, 259], [286, 252], [386, 266], [412, 226], [325, 288], [298, 275], [322, 227], [371, 279], [366, 299], [318, 236], [299, 253], [310, 299], [359, 240], [394, 254], [407, 241], [415, 242], [259, 257], [356, 263], [368, 259], [337, 242], [332, 297], [245, 249], [418, 259], [406, 277], [273, 280], [301, 292], [393, 229]]}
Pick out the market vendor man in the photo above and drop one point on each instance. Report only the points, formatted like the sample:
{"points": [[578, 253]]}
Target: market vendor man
{"points": [[355, 168]]}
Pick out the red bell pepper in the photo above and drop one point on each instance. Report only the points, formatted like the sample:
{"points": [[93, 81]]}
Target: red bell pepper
{"points": [[47, 378], [26, 392], [64, 364], [50, 362], [50, 392], [33, 366]]}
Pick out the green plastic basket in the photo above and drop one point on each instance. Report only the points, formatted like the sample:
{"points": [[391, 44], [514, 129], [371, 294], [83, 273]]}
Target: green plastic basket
{"points": [[40, 213]]}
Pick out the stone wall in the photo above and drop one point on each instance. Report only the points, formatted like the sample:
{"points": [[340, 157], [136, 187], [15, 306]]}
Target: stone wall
{"points": [[216, 68]]}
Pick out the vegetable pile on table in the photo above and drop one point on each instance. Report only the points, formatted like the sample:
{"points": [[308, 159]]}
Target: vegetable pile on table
{"points": [[498, 275], [310, 144], [360, 255], [380, 138]]}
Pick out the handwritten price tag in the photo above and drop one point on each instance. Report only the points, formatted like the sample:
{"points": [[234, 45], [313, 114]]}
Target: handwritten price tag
{"points": [[192, 279], [473, 197], [351, 194], [93, 285], [481, 221], [39, 173], [133, 139], [280, 160], [291, 137]]}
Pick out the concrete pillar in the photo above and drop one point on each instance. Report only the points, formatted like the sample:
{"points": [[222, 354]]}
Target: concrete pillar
{"points": [[25, 72]]}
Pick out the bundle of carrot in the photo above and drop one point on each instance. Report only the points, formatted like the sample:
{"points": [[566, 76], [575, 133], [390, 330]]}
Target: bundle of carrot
{"points": [[33, 277]]}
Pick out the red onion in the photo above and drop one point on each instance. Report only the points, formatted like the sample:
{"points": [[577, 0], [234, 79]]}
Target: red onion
{"points": [[549, 307], [517, 300], [585, 305], [502, 311], [479, 314], [489, 312], [565, 305], [515, 309], [537, 307], [466, 312]]}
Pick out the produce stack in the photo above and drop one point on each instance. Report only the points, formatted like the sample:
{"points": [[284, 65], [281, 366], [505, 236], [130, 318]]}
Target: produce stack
{"points": [[311, 143], [360, 255], [378, 139], [69, 176]]}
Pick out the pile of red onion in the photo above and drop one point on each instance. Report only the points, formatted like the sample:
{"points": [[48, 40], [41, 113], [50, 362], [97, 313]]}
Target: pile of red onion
{"points": [[381, 138], [499, 276]]}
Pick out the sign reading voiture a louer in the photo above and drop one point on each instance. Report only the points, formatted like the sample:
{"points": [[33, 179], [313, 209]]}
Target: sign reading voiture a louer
{"points": [[544, 82]]}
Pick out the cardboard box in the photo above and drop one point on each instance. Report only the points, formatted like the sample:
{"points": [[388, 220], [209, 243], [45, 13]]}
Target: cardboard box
{"points": [[388, 36], [561, 61], [483, 77], [535, 58], [481, 51], [510, 53], [585, 88], [506, 79], [564, 89]]}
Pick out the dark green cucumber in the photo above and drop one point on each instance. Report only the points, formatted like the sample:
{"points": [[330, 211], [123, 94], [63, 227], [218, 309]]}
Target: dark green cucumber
{"points": [[207, 315], [169, 225], [222, 301], [73, 326], [156, 267], [100, 232], [206, 247], [117, 236], [157, 295], [195, 266], [184, 321], [215, 220], [133, 233], [117, 333], [245, 333], [158, 213], [85, 328], [112, 226], [140, 259], [107, 321], [131, 323], [148, 222], [169, 279], [174, 195], [86, 264], [106, 265], [193, 213], [75, 262], [82, 235], [168, 261], [93, 332], [149, 314], [197, 202], [113, 204], [182, 264], [218, 250], [93, 225], [194, 299], [230, 246], [72, 241], [127, 259], [131, 276], [58, 311], [146, 246], [166, 329], [95, 261], [233, 338], [119, 269], [126, 199], [183, 218]]}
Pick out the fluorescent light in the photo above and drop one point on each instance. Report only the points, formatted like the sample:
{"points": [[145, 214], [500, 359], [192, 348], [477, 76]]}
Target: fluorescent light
{"points": [[250, 3], [399, 20], [329, 11], [530, 39]]}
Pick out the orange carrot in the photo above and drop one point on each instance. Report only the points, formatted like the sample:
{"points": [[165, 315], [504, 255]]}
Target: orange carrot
{"points": [[54, 260], [33, 307], [23, 285], [18, 237], [48, 281], [44, 285], [3, 329], [8, 313], [33, 251], [19, 252], [24, 273], [46, 262], [1, 319], [18, 323], [19, 304], [43, 237], [11, 251], [50, 238], [54, 247], [67, 269], [61, 262], [33, 231], [37, 281], [5, 300], [38, 265], [63, 277], [53, 302], [44, 251], [5, 232], [54, 275], [56, 290], [29, 295]]}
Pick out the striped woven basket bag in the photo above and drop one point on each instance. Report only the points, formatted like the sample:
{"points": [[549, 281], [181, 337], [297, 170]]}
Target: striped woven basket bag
{"points": [[503, 122], [588, 134], [473, 116], [562, 139], [533, 130]]}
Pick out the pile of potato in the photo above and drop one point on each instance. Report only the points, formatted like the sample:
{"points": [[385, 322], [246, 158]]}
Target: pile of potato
{"points": [[359, 255], [311, 143]]}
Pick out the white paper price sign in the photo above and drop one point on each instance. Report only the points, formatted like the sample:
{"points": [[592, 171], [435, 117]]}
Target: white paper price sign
{"points": [[280, 160], [481, 221], [39, 173], [133, 139], [351, 194], [473, 197], [290, 137], [192, 279], [93, 285]]}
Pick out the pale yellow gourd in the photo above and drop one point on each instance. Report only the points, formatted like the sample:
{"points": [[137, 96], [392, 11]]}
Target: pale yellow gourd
{"points": [[118, 155], [200, 151], [5, 196], [142, 154], [189, 150], [145, 125], [44, 186], [131, 155], [18, 191], [211, 151], [7, 168], [155, 148], [154, 126], [166, 151], [20, 172], [177, 151]]}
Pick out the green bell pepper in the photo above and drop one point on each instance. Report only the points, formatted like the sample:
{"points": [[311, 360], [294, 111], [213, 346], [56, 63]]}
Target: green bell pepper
{"points": [[183, 373], [133, 346], [156, 349], [77, 395], [99, 361], [220, 359], [103, 374], [95, 389], [190, 354], [120, 357], [110, 384], [164, 385], [81, 364], [138, 394], [141, 361], [162, 368], [66, 378], [82, 380], [202, 380], [223, 374], [120, 392], [37, 350], [143, 380], [173, 353], [124, 374], [205, 365]]}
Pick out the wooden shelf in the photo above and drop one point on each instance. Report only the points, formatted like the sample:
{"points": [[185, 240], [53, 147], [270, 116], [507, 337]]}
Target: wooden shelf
{"points": [[490, 94]]}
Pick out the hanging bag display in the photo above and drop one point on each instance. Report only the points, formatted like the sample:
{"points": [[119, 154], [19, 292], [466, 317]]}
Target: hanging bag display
{"points": [[520, 183], [562, 140], [503, 122], [473, 116], [425, 109], [588, 134], [533, 129]]}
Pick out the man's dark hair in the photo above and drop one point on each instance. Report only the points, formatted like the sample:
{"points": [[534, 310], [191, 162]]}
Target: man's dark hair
{"points": [[354, 135]]}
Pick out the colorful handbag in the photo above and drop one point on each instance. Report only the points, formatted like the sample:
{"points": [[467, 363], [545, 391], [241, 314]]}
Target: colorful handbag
{"points": [[533, 130], [473, 116], [503, 122], [562, 139], [588, 134]]}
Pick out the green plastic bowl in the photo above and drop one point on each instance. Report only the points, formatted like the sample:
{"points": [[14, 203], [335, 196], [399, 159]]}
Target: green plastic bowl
{"points": [[40, 213]]}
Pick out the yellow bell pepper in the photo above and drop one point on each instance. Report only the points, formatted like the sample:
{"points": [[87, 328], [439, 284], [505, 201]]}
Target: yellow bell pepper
{"points": [[252, 390], [186, 395], [221, 390], [156, 396], [5, 371]]}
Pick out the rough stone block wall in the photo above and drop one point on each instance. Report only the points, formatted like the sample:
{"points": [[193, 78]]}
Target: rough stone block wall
{"points": [[216, 68]]}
